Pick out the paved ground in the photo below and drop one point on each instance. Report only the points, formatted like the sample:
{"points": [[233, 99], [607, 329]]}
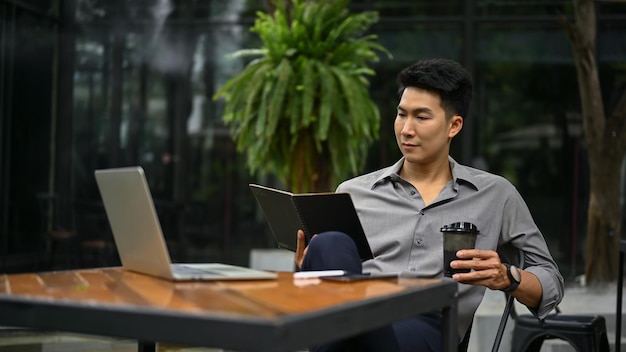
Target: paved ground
{"points": [[23, 341]]}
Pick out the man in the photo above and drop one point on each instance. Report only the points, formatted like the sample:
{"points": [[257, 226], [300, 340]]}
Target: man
{"points": [[403, 207]]}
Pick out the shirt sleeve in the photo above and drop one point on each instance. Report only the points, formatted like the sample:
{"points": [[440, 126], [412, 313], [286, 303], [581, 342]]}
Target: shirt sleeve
{"points": [[520, 230]]}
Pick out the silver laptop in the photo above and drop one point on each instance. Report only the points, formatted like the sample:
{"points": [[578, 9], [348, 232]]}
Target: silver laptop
{"points": [[138, 235]]}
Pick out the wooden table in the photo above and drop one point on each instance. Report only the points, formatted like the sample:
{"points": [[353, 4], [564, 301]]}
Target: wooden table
{"points": [[268, 315]]}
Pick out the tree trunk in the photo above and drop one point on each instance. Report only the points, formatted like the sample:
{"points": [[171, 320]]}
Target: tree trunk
{"points": [[317, 179], [606, 144], [603, 217]]}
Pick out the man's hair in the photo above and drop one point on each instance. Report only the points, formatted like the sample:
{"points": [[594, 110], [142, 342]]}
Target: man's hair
{"points": [[445, 77]]}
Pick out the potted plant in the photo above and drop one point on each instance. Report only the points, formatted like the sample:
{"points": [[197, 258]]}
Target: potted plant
{"points": [[301, 110]]}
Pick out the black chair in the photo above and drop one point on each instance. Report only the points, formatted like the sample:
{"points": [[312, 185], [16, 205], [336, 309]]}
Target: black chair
{"points": [[508, 255], [583, 332], [586, 333], [510, 300], [465, 342]]}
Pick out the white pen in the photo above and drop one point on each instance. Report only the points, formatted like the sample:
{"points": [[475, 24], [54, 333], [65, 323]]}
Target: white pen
{"points": [[317, 273]]}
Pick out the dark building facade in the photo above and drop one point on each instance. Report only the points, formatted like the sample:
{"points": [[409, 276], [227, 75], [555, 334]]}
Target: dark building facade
{"points": [[96, 84]]}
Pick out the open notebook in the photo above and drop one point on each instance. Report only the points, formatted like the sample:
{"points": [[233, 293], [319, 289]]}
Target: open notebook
{"points": [[138, 235]]}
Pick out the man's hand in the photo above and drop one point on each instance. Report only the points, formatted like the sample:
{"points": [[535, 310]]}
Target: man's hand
{"points": [[300, 249], [487, 269], [490, 272]]}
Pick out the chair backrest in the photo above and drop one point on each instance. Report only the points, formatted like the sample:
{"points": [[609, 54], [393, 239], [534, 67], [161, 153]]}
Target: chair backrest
{"points": [[508, 254], [464, 344]]}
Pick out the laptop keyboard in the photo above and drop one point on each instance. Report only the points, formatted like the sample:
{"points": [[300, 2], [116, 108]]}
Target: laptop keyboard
{"points": [[187, 270]]}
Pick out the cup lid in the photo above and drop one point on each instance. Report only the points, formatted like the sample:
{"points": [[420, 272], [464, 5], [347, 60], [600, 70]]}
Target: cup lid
{"points": [[460, 226]]}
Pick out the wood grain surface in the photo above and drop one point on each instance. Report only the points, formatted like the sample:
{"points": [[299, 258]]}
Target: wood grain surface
{"points": [[117, 286]]}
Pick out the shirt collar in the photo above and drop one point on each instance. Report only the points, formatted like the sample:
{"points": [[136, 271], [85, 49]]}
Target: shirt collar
{"points": [[459, 173], [389, 174], [462, 173]]}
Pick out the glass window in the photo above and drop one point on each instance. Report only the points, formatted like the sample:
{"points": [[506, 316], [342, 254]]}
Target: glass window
{"points": [[145, 73]]}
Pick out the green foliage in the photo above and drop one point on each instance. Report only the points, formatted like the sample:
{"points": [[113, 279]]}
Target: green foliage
{"points": [[302, 105]]}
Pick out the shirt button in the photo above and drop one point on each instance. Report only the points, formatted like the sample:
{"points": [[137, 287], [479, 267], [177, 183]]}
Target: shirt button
{"points": [[420, 241], [412, 193], [412, 269]]}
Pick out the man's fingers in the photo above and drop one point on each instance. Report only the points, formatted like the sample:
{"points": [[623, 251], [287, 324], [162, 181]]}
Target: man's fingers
{"points": [[476, 253], [300, 249]]}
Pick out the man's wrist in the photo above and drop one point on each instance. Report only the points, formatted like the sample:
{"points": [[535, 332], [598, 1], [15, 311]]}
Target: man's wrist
{"points": [[515, 277]]}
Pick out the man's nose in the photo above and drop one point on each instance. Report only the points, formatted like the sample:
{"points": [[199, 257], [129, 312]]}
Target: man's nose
{"points": [[407, 129]]}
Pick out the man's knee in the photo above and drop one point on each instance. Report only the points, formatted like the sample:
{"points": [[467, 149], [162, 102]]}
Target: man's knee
{"points": [[332, 250], [331, 239]]}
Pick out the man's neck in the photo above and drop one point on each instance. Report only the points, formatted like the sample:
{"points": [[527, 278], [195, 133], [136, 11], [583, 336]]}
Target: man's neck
{"points": [[429, 179], [427, 173]]}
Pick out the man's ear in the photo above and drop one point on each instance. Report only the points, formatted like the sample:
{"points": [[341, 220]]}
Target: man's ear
{"points": [[456, 124]]}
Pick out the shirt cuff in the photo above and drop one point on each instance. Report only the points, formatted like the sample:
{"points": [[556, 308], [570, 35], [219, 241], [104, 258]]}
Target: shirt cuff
{"points": [[552, 291]]}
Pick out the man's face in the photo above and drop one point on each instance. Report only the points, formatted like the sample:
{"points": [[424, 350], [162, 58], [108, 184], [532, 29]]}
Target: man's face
{"points": [[421, 128]]}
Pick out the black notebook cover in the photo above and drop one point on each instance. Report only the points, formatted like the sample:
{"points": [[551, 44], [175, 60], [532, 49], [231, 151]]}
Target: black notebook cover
{"points": [[314, 213]]}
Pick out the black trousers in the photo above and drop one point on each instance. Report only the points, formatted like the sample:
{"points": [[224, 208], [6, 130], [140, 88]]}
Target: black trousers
{"points": [[422, 333]]}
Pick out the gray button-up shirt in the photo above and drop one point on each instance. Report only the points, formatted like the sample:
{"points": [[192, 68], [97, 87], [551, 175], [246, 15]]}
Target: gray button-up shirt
{"points": [[405, 235]]}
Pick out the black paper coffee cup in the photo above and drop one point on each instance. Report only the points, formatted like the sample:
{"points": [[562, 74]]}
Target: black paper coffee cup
{"points": [[456, 236]]}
